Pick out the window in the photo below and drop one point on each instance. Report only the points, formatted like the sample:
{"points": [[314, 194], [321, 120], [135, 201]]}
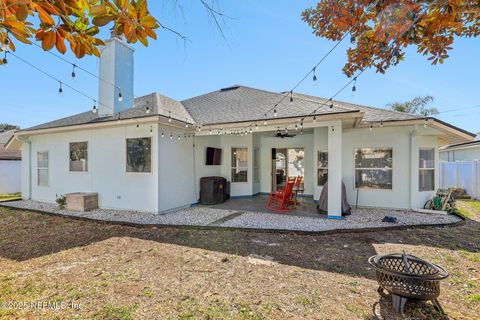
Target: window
{"points": [[373, 168], [322, 168], [426, 172], [42, 168], [139, 155], [296, 162], [239, 164], [79, 156], [256, 166]]}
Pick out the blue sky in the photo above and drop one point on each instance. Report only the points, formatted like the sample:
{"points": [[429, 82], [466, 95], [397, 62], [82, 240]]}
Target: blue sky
{"points": [[267, 46]]}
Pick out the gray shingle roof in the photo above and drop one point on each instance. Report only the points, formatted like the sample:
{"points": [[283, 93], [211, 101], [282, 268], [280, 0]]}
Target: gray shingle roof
{"points": [[239, 103], [232, 104], [157, 103], [371, 114]]}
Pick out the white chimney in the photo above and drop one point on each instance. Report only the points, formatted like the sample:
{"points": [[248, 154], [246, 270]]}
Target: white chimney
{"points": [[115, 88]]}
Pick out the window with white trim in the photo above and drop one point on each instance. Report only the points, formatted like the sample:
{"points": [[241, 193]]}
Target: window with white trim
{"points": [[239, 164], [139, 155], [426, 170], [322, 168], [374, 168], [42, 168], [79, 156]]}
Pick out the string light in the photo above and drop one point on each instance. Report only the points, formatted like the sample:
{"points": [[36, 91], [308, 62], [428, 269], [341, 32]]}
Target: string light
{"points": [[171, 136], [210, 131], [301, 131], [186, 123], [147, 110], [291, 96], [151, 130], [314, 119], [296, 126], [94, 110], [286, 130], [333, 128], [331, 104], [199, 128], [73, 71], [425, 124], [381, 124], [178, 137], [371, 127], [163, 135], [256, 126], [354, 88], [169, 116], [265, 122], [120, 97], [60, 89], [5, 61], [138, 126], [275, 112], [314, 75]]}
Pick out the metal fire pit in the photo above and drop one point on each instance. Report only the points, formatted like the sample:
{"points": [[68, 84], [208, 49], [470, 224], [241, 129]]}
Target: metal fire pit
{"points": [[407, 277]]}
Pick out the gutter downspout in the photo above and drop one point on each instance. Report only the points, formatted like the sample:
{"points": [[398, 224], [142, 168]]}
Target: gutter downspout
{"points": [[27, 141], [413, 135]]}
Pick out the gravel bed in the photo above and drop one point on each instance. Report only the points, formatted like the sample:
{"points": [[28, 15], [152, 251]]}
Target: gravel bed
{"points": [[360, 218], [205, 216], [194, 216]]}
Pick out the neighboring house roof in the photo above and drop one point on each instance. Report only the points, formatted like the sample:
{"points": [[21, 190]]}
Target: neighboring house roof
{"points": [[241, 104], [8, 154], [468, 144]]}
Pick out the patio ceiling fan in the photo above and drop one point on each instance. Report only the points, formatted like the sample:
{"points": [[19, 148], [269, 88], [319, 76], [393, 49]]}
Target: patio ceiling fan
{"points": [[279, 134]]}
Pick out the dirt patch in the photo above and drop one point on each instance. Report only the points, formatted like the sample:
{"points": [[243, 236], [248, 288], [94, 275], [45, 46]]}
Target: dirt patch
{"points": [[119, 272]]}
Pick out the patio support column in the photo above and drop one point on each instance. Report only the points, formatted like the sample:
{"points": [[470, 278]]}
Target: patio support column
{"points": [[335, 170]]}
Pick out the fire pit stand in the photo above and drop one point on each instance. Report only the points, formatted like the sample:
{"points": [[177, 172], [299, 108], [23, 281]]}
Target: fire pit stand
{"points": [[408, 277]]}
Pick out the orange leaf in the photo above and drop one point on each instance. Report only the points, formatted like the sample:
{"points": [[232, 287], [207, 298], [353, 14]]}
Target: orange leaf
{"points": [[49, 40], [60, 44]]}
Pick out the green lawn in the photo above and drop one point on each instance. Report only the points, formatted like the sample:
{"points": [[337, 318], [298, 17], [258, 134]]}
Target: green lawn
{"points": [[10, 196]]}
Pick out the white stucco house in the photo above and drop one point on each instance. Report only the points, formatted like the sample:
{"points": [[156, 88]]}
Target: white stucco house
{"points": [[466, 151], [10, 166], [149, 153]]}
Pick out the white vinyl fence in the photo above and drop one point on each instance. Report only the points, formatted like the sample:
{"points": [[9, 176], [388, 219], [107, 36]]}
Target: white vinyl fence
{"points": [[461, 174]]}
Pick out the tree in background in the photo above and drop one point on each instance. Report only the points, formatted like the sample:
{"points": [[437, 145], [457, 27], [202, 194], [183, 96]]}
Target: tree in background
{"points": [[417, 105], [5, 127], [380, 31]]}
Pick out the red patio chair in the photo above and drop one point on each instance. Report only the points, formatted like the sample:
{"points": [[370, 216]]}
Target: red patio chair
{"points": [[296, 186], [280, 200]]}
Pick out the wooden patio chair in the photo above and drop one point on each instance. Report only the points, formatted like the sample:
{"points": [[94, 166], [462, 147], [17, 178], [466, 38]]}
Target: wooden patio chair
{"points": [[280, 200]]}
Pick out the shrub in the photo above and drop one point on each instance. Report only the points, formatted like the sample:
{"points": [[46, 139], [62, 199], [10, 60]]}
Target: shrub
{"points": [[61, 200]]}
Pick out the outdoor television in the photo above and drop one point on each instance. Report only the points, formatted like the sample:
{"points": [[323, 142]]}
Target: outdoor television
{"points": [[214, 156]]}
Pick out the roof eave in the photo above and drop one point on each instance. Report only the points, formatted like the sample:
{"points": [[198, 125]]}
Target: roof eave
{"points": [[460, 133]]}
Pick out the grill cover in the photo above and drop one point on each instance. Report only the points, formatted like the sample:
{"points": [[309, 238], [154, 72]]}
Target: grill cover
{"points": [[323, 203], [213, 190]]}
